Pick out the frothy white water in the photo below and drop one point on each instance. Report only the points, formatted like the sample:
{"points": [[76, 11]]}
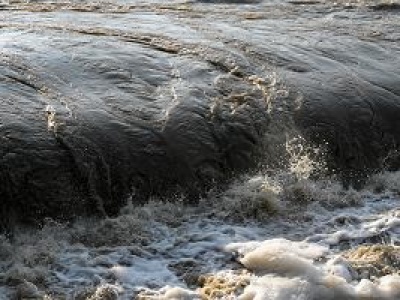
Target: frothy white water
{"points": [[295, 270], [280, 238]]}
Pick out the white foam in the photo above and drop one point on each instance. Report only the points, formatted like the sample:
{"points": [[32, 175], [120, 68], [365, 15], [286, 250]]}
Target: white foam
{"points": [[161, 248], [286, 274], [144, 272]]}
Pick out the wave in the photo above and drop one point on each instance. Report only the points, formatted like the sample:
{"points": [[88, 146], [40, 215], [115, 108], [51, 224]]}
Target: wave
{"points": [[96, 112]]}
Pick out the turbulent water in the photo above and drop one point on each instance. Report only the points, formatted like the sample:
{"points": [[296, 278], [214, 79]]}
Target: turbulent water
{"points": [[264, 238], [200, 150]]}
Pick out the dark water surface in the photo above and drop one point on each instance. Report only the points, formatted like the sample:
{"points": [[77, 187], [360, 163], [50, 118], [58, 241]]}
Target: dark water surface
{"points": [[105, 101]]}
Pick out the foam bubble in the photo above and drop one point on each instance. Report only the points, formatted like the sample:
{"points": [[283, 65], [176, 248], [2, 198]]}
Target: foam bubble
{"points": [[161, 250]]}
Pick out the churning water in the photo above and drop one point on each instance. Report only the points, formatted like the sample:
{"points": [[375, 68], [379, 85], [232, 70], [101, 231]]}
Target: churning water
{"points": [[283, 237], [269, 110]]}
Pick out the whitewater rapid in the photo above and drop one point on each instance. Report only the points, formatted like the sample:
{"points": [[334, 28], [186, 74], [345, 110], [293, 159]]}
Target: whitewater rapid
{"points": [[264, 238]]}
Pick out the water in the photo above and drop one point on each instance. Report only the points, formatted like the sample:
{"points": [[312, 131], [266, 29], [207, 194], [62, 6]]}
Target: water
{"points": [[292, 246], [200, 150]]}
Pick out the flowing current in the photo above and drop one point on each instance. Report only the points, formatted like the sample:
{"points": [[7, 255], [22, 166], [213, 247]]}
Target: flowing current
{"points": [[263, 238], [200, 149]]}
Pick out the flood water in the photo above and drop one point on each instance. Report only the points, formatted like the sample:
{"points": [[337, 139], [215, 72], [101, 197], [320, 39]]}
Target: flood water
{"points": [[200, 149]]}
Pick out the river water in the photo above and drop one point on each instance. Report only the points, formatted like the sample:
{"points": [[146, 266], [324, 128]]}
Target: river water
{"points": [[280, 118], [263, 238]]}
